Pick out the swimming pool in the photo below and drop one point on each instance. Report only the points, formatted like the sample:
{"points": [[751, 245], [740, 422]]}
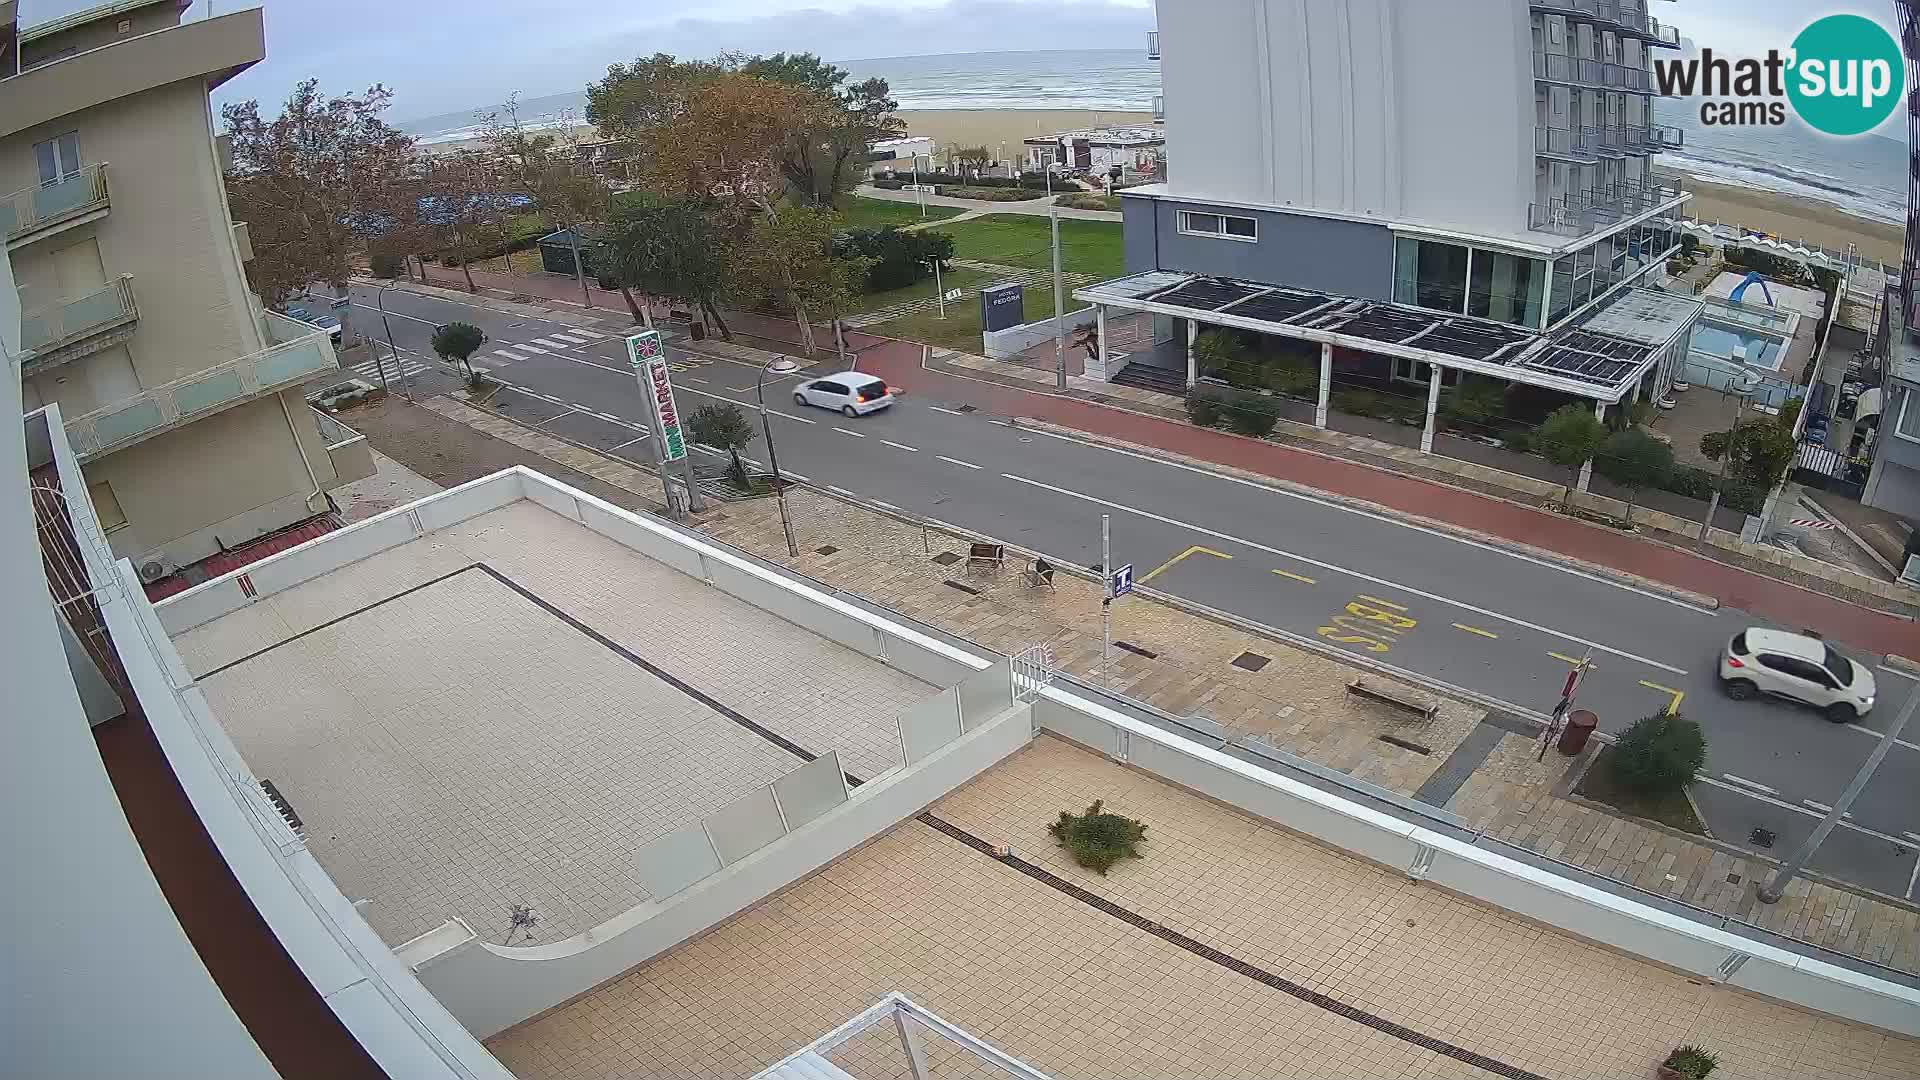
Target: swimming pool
{"points": [[1721, 340]]}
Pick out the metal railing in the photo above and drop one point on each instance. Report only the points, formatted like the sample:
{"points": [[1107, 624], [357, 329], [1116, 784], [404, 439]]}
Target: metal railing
{"points": [[1153, 44], [50, 327], [1610, 141], [332, 432], [1629, 15], [1159, 107], [45, 204], [1581, 144], [200, 394], [1662, 33]]}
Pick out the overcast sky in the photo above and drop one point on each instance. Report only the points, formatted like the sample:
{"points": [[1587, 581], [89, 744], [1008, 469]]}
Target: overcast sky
{"points": [[442, 55]]}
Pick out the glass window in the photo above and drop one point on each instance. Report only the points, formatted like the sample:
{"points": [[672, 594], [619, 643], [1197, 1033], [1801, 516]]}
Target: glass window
{"points": [[1909, 426], [58, 157], [1562, 289], [1233, 227], [1242, 227], [1429, 274], [1506, 287]]}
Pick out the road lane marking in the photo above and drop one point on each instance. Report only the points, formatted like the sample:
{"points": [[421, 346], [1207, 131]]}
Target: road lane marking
{"points": [[717, 397], [514, 356], [709, 450], [1175, 561], [1291, 576], [844, 431], [1823, 807], [949, 412], [1796, 808], [1382, 603], [1673, 707], [1744, 782], [582, 408], [1881, 735], [841, 491], [901, 446], [999, 423], [552, 344], [1476, 630], [524, 347], [1203, 530], [1273, 489], [398, 315], [885, 505], [957, 461], [1564, 658], [629, 442]]}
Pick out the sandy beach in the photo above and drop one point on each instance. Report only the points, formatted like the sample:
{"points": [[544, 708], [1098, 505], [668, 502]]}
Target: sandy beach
{"points": [[993, 128], [1795, 219]]}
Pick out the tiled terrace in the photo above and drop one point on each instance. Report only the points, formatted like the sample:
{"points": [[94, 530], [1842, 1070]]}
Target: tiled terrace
{"points": [[1352, 971], [457, 740]]}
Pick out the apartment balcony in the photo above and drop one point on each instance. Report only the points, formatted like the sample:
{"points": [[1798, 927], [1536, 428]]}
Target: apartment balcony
{"points": [[78, 326], [1159, 108], [1153, 44], [160, 409], [352, 457], [1573, 71], [1627, 16], [45, 210], [1610, 142], [1667, 137], [1579, 145]]}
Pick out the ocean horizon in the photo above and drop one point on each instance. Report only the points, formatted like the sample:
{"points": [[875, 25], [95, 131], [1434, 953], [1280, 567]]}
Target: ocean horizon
{"points": [[1865, 176]]}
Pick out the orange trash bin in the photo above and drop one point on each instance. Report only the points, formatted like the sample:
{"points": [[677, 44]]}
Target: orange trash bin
{"points": [[1580, 728]]}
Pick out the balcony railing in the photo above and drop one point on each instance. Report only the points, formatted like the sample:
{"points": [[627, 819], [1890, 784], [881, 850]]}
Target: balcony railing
{"points": [[1662, 33], [1667, 137], [1159, 107], [1582, 212], [1572, 70], [46, 329], [30, 210], [203, 393], [1153, 44], [1580, 144], [347, 449], [1628, 15]]}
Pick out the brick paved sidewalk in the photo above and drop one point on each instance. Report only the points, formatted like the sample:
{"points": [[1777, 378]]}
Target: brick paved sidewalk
{"points": [[1295, 702]]}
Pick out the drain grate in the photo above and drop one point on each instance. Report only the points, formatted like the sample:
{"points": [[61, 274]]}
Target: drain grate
{"points": [[825, 549], [968, 589], [946, 558], [1761, 837], [1136, 650], [968, 408], [1733, 879], [1394, 740], [1251, 661]]}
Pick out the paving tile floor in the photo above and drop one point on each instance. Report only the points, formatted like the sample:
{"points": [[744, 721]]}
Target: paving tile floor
{"points": [[1078, 993], [459, 750]]}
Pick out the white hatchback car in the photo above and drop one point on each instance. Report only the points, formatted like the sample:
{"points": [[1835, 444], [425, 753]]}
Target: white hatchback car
{"points": [[1799, 667], [854, 393]]}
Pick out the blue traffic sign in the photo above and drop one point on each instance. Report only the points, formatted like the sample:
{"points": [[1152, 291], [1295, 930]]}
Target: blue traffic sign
{"points": [[1122, 582]]}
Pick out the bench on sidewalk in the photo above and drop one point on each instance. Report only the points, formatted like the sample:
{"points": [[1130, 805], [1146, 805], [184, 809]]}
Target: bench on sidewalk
{"points": [[986, 555], [1394, 698]]}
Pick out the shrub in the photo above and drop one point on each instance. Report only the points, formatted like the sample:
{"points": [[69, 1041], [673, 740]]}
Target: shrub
{"points": [[1520, 442], [1475, 403], [1634, 460], [1356, 401], [1203, 406], [1219, 353], [1294, 378], [1256, 418], [1098, 839], [385, 266], [899, 258], [890, 185], [1659, 754], [1692, 1062]]}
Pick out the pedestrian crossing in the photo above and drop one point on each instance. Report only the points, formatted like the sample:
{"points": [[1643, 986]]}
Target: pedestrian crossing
{"points": [[407, 365], [406, 368]]}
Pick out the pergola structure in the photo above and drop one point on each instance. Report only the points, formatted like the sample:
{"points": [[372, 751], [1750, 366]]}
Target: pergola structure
{"points": [[1604, 357]]}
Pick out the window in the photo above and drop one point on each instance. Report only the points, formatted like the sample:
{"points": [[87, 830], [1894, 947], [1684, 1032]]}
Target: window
{"points": [[1506, 287], [58, 158], [1909, 426], [105, 506], [1430, 274], [1413, 371], [827, 386], [1227, 226], [1840, 667]]}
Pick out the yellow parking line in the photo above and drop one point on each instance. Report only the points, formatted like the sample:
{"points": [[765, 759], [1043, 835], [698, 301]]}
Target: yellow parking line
{"points": [[1677, 695], [1476, 630], [1382, 603], [1170, 563], [1296, 577], [1564, 658]]}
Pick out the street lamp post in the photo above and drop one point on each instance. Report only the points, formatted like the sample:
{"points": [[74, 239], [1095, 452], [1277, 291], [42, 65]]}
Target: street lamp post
{"points": [[779, 366], [380, 297]]}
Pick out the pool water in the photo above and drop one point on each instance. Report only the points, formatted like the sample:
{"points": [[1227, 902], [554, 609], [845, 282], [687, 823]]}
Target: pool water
{"points": [[1721, 340]]}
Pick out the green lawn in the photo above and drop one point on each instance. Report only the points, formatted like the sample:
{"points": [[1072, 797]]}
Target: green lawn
{"points": [[864, 213], [1086, 247], [960, 330], [923, 290]]}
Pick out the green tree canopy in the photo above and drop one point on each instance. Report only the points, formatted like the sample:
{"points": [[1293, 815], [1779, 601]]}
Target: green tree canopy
{"points": [[723, 426], [458, 341], [1569, 438], [1659, 754], [1634, 459], [1761, 450]]}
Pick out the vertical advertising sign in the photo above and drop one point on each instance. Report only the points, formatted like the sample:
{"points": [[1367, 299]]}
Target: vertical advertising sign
{"points": [[648, 357]]}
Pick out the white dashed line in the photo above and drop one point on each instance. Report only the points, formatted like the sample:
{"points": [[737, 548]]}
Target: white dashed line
{"points": [[949, 412], [708, 450], [844, 431], [629, 442], [841, 491], [999, 423], [1881, 735], [508, 355], [524, 347], [1744, 782], [884, 505], [552, 344], [789, 474], [1822, 807], [957, 461], [580, 406], [901, 446]]}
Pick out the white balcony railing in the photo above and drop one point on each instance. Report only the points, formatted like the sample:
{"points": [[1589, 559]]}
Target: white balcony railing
{"points": [[42, 205], [46, 329], [203, 393], [1153, 44], [1159, 107]]}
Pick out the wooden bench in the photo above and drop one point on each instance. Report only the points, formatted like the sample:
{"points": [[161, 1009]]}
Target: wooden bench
{"points": [[1040, 575], [993, 555], [1393, 697]]}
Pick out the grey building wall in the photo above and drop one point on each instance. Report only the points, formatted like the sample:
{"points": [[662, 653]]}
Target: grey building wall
{"points": [[1894, 483], [1350, 258]]}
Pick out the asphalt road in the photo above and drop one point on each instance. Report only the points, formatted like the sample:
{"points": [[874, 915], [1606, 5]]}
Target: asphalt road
{"points": [[1501, 625]]}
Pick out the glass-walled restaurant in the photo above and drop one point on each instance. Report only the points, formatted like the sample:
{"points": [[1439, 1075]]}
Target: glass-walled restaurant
{"points": [[1520, 289]]}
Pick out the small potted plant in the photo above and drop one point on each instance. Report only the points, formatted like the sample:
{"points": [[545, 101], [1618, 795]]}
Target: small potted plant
{"points": [[1688, 1062]]}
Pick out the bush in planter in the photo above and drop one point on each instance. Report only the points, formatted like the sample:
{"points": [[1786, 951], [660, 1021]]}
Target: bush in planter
{"points": [[1098, 839], [1220, 353], [1255, 416], [1474, 404], [1635, 460], [1689, 1062], [1659, 754], [890, 185], [1204, 406], [1292, 378]]}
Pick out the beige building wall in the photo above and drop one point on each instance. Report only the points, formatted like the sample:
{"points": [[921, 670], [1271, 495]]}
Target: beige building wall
{"points": [[229, 477], [92, 35]]}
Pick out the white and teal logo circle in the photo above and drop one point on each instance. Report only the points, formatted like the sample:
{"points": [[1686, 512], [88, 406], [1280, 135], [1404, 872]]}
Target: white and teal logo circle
{"points": [[1848, 75]]}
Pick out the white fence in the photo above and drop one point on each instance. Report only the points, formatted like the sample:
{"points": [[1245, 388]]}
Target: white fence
{"points": [[1014, 340]]}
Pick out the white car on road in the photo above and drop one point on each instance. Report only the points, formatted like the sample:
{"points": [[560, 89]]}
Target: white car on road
{"points": [[1799, 667], [853, 393]]}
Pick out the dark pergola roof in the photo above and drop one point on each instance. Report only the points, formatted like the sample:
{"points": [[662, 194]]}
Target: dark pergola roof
{"points": [[1584, 362]]}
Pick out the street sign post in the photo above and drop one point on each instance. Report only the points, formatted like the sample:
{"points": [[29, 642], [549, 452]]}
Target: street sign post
{"points": [[647, 355], [1122, 582], [1567, 691]]}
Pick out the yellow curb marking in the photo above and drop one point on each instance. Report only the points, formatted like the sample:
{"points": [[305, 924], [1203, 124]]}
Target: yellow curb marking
{"points": [[1673, 707], [1171, 563], [1382, 603], [1564, 658], [1476, 630]]}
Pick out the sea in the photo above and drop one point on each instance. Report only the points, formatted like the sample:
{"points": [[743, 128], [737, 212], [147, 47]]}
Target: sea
{"points": [[1863, 176]]}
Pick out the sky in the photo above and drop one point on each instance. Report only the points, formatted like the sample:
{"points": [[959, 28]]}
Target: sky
{"points": [[443, 55]]}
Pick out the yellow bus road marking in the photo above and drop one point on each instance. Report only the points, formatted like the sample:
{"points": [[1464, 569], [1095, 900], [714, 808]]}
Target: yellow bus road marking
{"points": [[1564, 658], [1296, 577], [1476, 630], [1678, 696], [1171, 563], [1382, 603]]}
